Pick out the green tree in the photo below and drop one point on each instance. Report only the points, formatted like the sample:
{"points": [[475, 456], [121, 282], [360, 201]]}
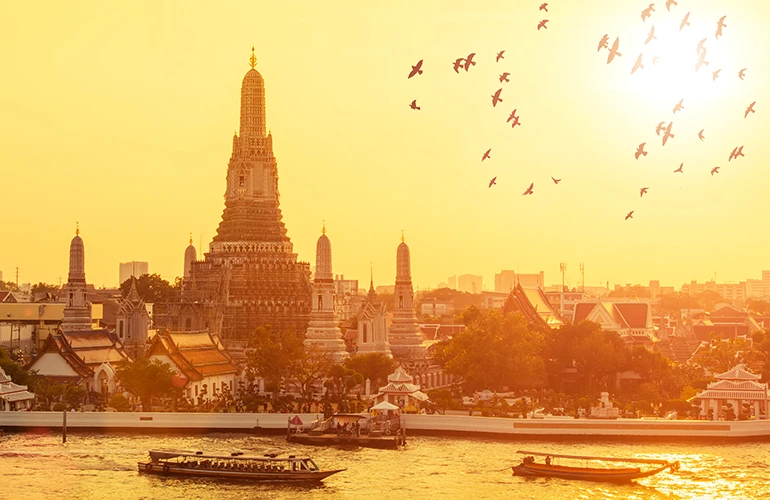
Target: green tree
{"points": [[340, 380], [375, 366], [494, 351], [638, 291], [146, 379], [758, 307], [18, 374], [8, 286], [45, 288], [723, 354], [152, 289], [120, 403]]}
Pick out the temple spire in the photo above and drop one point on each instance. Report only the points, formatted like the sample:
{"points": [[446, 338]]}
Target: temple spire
{"points": [[323, 229], [190, 238], [77, 229], [253, 58], [402, 236]]}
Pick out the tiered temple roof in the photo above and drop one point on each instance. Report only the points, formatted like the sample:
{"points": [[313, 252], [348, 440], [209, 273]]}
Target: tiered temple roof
{"points": [[533, 305], [195, 354]]}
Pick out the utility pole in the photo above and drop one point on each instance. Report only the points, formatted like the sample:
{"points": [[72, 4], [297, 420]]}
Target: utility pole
{"points": [[563, 269], [17, 277], [582, 278]]}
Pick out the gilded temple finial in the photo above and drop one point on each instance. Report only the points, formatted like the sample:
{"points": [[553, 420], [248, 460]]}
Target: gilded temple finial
{"points": [[402, 236], [190, 238], [323, 229], [77, 229], [253, 58]]}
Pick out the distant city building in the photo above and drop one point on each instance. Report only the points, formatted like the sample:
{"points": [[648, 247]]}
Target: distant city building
{"points": [[442, 284], [564, 302], [134, 268], [728, 291], [493, 300], [757, 288], [506, 280], [765, 275], [470, 283], [347, 300], [452, 282], [386, 289], [597, 291], [435, 307], [656, 290]]}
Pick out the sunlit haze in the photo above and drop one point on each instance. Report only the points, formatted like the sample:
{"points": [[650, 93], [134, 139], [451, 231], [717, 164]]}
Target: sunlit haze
{"points": [[120, 116]]}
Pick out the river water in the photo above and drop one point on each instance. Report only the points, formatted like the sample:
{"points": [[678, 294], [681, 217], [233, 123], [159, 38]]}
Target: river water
{"points": [[96, 466]]}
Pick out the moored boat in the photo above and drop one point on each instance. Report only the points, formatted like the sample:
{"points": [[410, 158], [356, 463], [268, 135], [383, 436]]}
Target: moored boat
{"points": [[529, 467], [269, 467]]}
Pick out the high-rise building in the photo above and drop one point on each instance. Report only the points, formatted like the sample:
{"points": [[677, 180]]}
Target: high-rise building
{"points": [[765, 275], [470, 283], [250, 275], [134, 268], [452, 282], [507, 280]]}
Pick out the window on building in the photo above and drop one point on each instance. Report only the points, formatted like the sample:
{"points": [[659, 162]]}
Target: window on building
{"points": [[366, 333], [188, 324], [120, 329], [242, 181], [400, 301]]}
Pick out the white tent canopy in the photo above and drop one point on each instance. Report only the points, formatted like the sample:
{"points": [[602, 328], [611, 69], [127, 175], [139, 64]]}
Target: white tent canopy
{"points": [[385, 406]]}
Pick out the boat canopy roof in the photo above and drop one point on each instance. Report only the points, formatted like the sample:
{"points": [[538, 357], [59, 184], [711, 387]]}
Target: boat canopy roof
{"points": [[272, 457], [606, 459]]}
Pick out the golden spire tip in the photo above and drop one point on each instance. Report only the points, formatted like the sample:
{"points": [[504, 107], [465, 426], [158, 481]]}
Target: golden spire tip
{"points": [[402, 236], [77, 229], [190, 238], [323, 230], [253, 58]]}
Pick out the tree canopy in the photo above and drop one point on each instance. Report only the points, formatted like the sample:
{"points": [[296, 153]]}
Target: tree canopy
{"points": [[146, 379], [9, 286], [375, 366], [16, 371], [152, 288]]}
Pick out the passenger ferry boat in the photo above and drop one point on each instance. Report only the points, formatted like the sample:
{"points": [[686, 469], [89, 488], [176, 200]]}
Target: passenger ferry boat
{"points": [[269, 467]]}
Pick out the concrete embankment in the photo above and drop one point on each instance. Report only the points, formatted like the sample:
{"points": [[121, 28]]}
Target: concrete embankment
{"points": [[436, 425]]}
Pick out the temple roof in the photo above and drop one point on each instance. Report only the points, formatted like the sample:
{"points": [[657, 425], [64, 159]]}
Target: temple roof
{"points": [[533, 305], [195, 354], [400, 376], [632, 315], [738, 372], [83, 351]]}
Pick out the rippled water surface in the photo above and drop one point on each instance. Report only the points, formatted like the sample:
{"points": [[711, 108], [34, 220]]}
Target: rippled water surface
{"points": [[94, 466]]}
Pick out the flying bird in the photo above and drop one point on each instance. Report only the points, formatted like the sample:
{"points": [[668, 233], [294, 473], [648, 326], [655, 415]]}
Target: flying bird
{"points": [[458, 64], [681, 166], [742, 73], [750, 109], [496, 97], [629, 215], [614, 51], [679, 106], [648, 12], [500, 56], [638, 64], [416, 69], [486, 155], [504, 77], [701, 61], [700, 134], [492, 181], [685, 21], [667, 133], [529, 189], [655, 60], [669, 3], [544, 7], [469, 61], [720, 24], [511, 116], [714, 170], [515, 121], [736, 153], [659, 128], [715, 75], [651, 36], [700, 47], [640, 151], [541, 24], [414, 105], [642, 192], [603, 43], [555, 181]]}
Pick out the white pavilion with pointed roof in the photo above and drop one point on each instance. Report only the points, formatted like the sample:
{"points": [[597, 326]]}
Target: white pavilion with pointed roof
{"points": [[13, 396], [735, 386], [400, 390]]}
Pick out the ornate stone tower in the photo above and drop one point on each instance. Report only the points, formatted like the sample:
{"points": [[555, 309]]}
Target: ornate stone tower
{"points": [[133, 322], [372, 325], [404, 335], [190, 256], [77, 312], [250, 275], [323, 332]]}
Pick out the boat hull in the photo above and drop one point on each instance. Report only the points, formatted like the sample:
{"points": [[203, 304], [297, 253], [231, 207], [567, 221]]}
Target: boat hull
{"points": [[624, 475], [169, 469]]}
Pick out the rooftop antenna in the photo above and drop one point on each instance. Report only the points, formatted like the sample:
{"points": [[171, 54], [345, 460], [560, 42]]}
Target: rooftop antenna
{"points": [[582, 278], [563, 269]]}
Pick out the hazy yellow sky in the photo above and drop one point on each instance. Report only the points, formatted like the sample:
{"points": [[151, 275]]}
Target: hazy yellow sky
{"points": [[120, 115]]}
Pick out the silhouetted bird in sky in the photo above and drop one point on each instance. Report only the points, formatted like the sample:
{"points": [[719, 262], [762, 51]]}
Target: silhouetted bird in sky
{"points": [[500, 56], [700, 134], [492, 181], [669, 3], [667, 133], [458, 64], [504, 77], [701, 61], [742, 73], [750, 109], [679, 106], [659, 128], [416, 69], [651, 36], [614, 51], [642, 192], [514, 118], [529, 189], [648, 12], [681, 166], [544, 7], [720, 24], [469, 61], [715, 75], [685, 21], [555, 181], [414, 105], [736, 153], [638, 64], [640, 151], [511, 116], [496, 97], [655, 60], [515, 122], [541, 24], [700, 47], [714, 170], [629, 215], [603, 43], [486, 155]]}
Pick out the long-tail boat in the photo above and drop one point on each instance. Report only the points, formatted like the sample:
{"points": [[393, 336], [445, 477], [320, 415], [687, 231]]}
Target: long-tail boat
{"points": [[269, 467], [529, 467]]}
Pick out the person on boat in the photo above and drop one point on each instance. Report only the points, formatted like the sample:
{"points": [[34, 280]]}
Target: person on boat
{"points": [[547, 460]]}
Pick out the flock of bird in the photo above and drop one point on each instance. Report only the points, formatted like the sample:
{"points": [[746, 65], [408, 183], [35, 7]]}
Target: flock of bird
{"points": [[465, 63]]}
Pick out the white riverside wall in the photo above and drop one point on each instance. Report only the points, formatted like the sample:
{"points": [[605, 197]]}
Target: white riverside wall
{"points": [[415, 424]]}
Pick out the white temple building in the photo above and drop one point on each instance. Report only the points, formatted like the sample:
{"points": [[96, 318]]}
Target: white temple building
{"points": [[372, 325], [401, 391], [323, 333], [404, 334], [735, 386], [13, 397]]}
